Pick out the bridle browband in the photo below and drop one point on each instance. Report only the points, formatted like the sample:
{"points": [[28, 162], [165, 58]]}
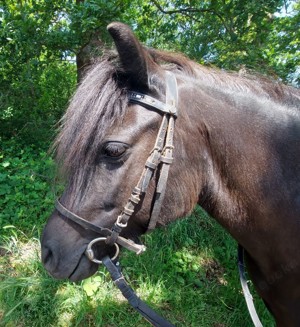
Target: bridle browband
{"points": [[161, 156]]}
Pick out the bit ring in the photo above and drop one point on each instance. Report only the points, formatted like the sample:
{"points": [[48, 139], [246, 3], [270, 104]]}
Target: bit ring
{"points": [[91, 255]]}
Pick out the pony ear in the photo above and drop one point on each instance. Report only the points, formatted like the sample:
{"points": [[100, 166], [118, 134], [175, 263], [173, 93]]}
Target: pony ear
{"points": [[135, 60]]}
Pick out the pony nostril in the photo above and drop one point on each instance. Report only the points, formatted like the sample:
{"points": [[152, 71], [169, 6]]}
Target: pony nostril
{"points": [[46, 254], [49, 258]]}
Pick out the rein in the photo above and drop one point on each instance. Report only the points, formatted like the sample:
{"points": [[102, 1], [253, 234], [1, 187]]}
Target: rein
{"points": [[141, 307], [247, 294], [160, 156]]}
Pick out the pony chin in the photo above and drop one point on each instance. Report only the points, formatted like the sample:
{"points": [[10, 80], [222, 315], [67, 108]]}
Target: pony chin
{"points": [[83, 270]]}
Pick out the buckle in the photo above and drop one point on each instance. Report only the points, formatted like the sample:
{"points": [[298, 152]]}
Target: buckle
{"points": [[119, 222]]}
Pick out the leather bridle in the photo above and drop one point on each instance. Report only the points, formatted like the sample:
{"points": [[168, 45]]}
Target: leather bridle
{"points": [[160, 157]]}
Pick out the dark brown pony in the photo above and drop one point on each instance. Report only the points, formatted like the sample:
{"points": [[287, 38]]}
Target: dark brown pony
{"points": [[237, 154]]}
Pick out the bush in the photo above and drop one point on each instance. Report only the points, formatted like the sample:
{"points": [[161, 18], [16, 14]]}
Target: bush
{"points": [[34, 101], [25, 185]]}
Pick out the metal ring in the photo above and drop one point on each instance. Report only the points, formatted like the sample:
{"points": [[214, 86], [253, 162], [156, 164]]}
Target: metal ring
{"points": [[90, 253]]}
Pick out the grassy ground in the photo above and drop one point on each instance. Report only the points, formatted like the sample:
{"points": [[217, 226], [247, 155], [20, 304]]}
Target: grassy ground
{"points": [[188, 274]]}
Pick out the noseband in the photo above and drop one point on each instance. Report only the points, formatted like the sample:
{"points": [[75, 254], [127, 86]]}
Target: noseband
{"points": [[161, 157]]}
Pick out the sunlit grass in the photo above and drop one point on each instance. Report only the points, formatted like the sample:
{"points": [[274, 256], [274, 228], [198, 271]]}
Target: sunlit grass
{"points": [[188, 274]]}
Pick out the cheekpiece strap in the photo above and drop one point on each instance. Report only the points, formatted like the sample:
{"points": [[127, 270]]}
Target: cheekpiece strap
{"points": [[166, 157]]}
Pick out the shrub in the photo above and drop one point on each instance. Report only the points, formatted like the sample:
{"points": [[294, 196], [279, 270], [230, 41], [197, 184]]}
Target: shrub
{"points": [[25, 185]]}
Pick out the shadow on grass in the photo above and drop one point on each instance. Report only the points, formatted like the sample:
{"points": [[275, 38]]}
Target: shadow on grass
{"points": [[197, 261]]}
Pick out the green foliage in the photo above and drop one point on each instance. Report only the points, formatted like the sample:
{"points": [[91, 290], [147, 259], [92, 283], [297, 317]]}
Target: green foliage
{"points": [[88, 18], [283, 43], [26, 175], [39, 41], [36, 79], [31, 107], [228, 34]]}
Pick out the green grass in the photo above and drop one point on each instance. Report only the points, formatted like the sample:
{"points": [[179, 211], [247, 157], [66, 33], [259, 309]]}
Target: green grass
{"points": [[188, 273]]}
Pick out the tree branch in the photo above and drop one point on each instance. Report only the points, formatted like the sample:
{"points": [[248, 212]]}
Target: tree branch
{"points": [[187, 12], [180, 11]]}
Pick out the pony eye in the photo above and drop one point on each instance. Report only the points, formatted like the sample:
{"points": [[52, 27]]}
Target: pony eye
{"points": [[114, 149]]}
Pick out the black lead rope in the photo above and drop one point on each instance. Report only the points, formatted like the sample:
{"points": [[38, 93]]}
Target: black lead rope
{"points": [[140, 306], [150, 315]]}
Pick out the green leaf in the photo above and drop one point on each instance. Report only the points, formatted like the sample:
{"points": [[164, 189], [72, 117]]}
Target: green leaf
{"points": [[91, 285], [5, 164]]}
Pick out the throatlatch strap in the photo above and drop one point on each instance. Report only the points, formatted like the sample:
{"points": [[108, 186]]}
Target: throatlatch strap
{"points": [[246, 291], [150, 315]]}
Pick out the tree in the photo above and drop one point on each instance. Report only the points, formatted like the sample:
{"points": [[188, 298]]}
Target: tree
{"points": [[36, 77], [283, 43], [88, 21], [42, 41], [228, 34]]}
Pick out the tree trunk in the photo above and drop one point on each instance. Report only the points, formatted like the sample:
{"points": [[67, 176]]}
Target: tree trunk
{"points": [[87, 55], [88, 52]]}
